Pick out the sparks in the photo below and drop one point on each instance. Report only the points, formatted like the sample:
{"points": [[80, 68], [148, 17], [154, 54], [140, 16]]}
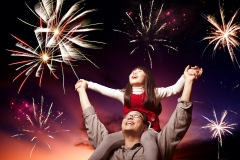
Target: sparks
{"points": [[40, 126], [60, 30], [146, 35], [219, 128], [223, 34], [39, 60], [45, 57]]}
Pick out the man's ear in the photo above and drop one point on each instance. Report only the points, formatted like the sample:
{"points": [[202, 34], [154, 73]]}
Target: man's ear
{"points": [[145, 128]]}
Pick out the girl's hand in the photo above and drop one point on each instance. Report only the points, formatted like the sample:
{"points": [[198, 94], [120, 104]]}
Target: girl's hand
{"points": [[81, 84], [195, 71]]}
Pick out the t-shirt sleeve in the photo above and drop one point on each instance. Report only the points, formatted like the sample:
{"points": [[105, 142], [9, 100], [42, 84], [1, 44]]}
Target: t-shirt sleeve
{"points": [[95, 129], [174, 131]]}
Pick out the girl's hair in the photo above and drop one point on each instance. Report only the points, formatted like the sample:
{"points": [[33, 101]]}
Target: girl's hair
{"points": [[149, 88]]}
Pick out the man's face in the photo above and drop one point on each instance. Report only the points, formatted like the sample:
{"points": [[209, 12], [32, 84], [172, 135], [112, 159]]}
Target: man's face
{"points": [[133, 122]]}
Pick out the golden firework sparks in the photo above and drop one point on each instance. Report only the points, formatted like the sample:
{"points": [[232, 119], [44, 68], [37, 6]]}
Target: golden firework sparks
{"points": [[225, 34], [38, 60], [219, 127]]}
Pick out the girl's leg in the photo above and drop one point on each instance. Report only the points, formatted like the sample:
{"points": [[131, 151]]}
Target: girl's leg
{"points": [[109, 143], [149, 142]]}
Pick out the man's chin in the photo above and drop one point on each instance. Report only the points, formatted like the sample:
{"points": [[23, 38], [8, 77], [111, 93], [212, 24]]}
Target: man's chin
{"points": [[129, 131]]}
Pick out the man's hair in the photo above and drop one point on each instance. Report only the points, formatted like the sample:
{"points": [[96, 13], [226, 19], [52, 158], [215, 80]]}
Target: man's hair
{"points": [[145, 120]]}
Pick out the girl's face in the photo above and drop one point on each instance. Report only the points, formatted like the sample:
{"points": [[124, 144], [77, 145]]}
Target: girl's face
{"points": [[137, 78]]}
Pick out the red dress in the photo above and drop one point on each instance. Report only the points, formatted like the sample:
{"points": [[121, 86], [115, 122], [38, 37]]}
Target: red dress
{"points": [[152, 113]]}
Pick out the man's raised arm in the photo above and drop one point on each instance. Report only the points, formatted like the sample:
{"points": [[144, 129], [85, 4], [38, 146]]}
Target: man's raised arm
{"points": [[95, 129], [180, 120], [81, 87]]}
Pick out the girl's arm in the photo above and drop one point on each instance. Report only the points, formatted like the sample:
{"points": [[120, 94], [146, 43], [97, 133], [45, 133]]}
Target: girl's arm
{"points": [[178, 86], [109, 92], [171, 90]]}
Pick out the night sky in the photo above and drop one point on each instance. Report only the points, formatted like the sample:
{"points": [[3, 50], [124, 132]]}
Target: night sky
{"points": [[217, 88]]}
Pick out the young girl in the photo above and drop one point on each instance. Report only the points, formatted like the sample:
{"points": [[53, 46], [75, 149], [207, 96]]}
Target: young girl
{"points": [[142, 94]]}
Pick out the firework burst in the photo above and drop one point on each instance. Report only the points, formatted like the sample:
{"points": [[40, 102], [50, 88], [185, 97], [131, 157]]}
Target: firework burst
{"points": [[224, 34], [147, 33], [38, 60], [219, 128], [60, 31], [40, 126]]}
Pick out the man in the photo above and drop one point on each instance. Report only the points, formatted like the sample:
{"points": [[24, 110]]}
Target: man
{"points": [[134, 124]]}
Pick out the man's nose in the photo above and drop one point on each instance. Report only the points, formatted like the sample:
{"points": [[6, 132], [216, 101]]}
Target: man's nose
{"points": [[130, 117]]}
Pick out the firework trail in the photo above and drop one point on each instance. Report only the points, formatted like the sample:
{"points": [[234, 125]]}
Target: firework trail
{"points": [[38, 60], [147, 33], [235, 87], [232, 88], [56, 37], [219, 128], [224, 34], [60, 31], [40, 127]]}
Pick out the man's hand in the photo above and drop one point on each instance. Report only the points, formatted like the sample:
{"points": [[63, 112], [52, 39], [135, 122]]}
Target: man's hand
{"points": [[194, 71], [190, 75], [81, 87], [81, 84]]}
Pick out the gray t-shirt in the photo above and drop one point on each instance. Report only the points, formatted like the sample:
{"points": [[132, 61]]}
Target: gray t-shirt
{"points": [[167, 139]]}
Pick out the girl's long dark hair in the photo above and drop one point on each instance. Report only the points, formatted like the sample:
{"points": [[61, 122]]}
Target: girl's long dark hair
{"points": [[149, 88]]}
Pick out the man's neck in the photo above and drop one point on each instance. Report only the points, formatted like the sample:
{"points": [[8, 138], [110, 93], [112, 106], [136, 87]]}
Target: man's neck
{"points": [[130, 141]]}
